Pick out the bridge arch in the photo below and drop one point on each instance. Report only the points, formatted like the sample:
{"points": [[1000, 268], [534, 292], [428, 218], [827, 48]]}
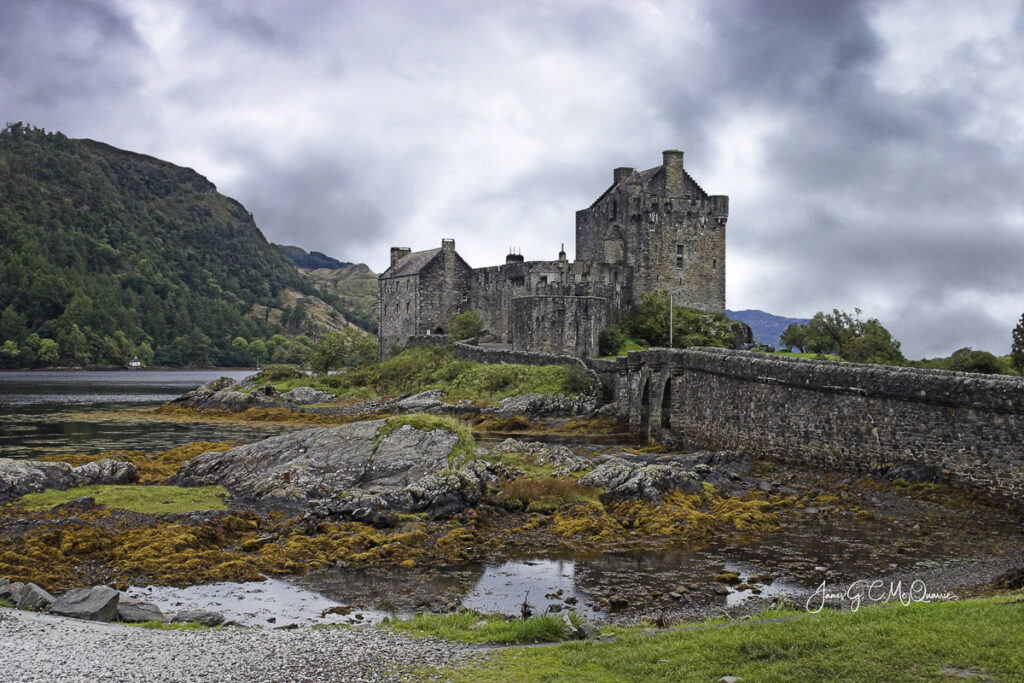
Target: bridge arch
{"points": [[666, 404]]}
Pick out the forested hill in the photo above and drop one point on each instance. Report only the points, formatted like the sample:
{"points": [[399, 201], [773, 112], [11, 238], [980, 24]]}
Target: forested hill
{"points": [[107, 254]]}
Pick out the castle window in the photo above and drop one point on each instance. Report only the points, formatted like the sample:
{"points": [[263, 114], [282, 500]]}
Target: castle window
{"points": [[714, 264], [680, 255], [615, 208]]}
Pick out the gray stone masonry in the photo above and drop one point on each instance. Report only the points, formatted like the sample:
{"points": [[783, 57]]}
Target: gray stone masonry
{"points": [[651, 231], [827, 414]]}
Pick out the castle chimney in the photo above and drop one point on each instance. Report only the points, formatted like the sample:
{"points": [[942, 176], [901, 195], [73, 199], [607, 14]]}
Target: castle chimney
{"points": [[399, 253], [672, 161], [621, 173], [448, 245]]}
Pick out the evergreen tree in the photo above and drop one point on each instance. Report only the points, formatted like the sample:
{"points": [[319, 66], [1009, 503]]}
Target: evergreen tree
{"points": [[1017, 348]]}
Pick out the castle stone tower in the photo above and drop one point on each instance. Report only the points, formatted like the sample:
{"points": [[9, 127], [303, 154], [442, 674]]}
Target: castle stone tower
{"points": [[666, 227]]}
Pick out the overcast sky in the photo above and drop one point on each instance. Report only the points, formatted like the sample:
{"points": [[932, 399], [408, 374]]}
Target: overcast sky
{"points": [[873, 152]]}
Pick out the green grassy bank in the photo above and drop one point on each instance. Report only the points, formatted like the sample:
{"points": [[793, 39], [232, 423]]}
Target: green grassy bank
{"points": [[980, 638]]}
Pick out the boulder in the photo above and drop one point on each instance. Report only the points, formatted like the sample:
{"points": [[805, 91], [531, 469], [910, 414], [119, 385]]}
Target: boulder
{"points": [[202, 616], [5, 588], [133, 610], [306, 395], [19, 477], [105, 471], [34, 598], [98, 603], [424, 402]]}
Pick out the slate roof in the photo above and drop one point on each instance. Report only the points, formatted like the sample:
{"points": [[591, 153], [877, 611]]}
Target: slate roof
{"points": [[411, 264], [645, 178]]}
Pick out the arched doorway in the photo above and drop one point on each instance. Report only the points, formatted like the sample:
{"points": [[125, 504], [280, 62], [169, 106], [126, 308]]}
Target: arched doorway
{"points": [[666, 405], [440, 331]]}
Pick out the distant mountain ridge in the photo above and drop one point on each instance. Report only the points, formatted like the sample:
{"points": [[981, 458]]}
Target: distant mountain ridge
{"points": [[311, 260], [766, 327]]}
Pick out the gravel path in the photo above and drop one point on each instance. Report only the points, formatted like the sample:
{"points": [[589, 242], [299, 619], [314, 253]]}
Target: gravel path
{"points": [[41, 647]]}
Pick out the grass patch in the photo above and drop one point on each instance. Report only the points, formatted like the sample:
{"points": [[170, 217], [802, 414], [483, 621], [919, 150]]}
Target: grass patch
{"points": [[167, 626], [6, 603], [542, 494], [465, 446], [812, 356], [155, 500], [922, 642], [435, 367], [470, 627], [630, 345]]}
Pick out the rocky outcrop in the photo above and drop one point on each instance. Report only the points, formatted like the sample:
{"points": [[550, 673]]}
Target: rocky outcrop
{"points": [[19, 477], [560, 457], [226, 394], [546, 405], [357, 471], [301, 396], [98, 603], [652, 477]]}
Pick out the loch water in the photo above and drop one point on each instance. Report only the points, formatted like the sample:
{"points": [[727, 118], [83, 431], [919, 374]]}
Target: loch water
{"points": [[53, 412]]}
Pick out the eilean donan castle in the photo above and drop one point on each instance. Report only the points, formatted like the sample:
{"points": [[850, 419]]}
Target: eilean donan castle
{"points": [[650, 231]]}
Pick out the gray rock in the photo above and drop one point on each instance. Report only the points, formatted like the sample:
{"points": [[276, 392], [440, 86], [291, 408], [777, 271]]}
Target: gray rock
{"points": [[730, 679], [19, 477], [543, 454], [133, 610], [17, 588], [202, 616], [306, 395], [347, 471], [425, 402], [225, 395], [34, 598], [650, 477], [5, 588], [546, 405], [105, 471], [98, 603]]}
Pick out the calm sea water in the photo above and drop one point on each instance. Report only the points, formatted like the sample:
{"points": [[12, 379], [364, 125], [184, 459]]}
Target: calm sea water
{"points": [[46, 413]]}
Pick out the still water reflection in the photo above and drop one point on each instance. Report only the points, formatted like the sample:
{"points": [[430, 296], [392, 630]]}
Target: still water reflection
{"points": [[45, 413]]}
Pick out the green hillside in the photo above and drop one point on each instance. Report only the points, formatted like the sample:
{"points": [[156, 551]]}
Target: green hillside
{"points": [[107, 254]]}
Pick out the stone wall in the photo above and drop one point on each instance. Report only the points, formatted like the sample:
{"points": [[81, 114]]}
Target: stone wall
{"points": [[398, 308], [970, 428], [559, 324], [444, 291], [479, 354]]}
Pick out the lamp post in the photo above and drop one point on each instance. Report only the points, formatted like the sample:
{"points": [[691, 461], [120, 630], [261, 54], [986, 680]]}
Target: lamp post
{"points": [[670, 320]]}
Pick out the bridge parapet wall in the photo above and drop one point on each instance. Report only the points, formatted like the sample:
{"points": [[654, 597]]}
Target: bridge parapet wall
{"points": [[969, 427]]}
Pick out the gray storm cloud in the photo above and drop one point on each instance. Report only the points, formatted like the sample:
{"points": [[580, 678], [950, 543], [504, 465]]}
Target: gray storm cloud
{"points": [[872, 151]]}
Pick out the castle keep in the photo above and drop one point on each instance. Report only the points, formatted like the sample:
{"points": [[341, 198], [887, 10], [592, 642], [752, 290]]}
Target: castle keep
{"points": [[650, 231]]}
